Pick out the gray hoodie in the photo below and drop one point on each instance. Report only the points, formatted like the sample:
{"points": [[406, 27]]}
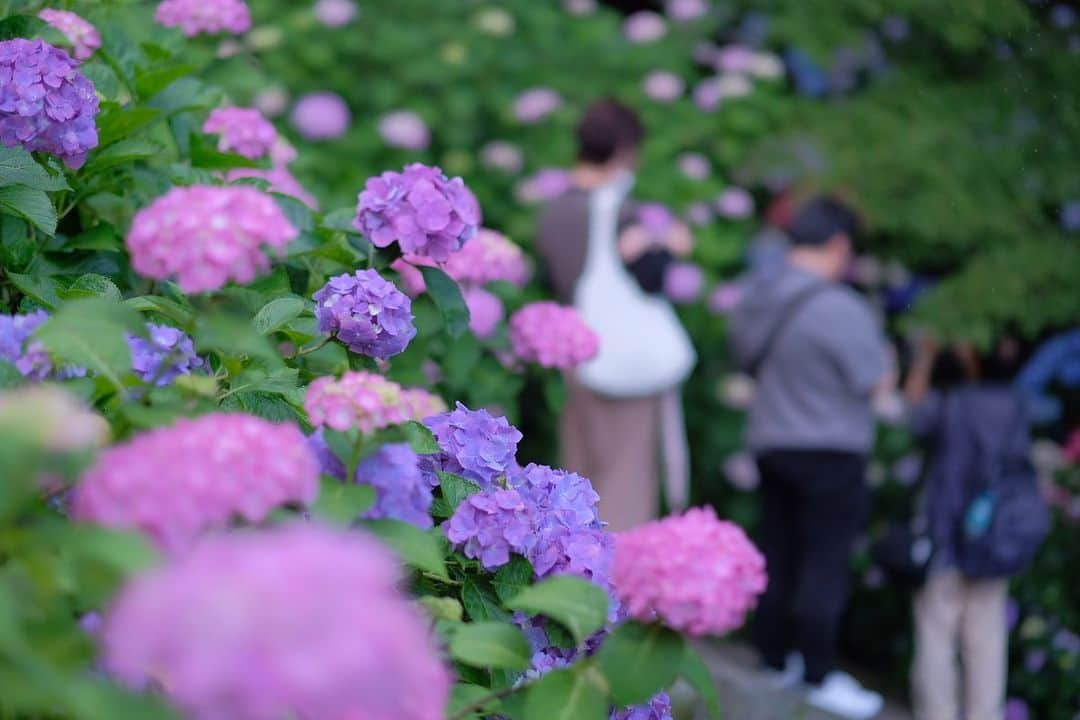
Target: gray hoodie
{"points": [[814, 387]]}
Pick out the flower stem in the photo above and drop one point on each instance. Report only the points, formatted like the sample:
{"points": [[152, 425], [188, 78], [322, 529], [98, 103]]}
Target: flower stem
{"points": [[482, 702]]}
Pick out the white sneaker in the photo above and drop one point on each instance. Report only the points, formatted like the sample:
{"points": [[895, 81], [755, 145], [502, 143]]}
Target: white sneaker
{"points": [[842, 695], [790, 676]]}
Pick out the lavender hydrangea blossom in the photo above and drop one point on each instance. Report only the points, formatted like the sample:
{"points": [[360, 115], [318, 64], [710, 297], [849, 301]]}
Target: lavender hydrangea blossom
{"points": [[488, 526], [402, 492], [475, 445], [367, 313], [420, 208], [329, 463], [658, 708], [28, 355], [167, 354], [46, 104]]}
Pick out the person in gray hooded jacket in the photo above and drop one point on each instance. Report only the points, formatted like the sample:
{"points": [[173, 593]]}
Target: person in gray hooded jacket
{"points": [[818, 355]]}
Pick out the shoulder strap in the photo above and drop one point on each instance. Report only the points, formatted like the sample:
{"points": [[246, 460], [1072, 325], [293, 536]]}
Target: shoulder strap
{"points": [[789, 311], [995, 459]]}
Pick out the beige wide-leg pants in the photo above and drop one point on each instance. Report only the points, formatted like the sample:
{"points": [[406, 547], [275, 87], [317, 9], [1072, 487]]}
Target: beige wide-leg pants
{"points": [[954, 613]]}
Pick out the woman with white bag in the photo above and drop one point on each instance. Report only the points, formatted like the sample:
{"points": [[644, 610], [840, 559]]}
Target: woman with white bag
{"points": [[623, 413]]}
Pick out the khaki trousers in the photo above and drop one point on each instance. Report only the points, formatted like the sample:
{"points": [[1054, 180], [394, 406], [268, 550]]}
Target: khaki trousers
{"points": [[614, 442], [954, 613]]}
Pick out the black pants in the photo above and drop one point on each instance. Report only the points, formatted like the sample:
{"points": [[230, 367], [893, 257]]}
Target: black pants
{"points": [[814, 503]]}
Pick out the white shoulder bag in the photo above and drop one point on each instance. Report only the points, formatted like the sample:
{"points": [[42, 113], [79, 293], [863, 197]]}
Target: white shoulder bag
{"points": [[644, 349]]}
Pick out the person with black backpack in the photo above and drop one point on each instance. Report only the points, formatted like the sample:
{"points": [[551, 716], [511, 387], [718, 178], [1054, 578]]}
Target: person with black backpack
{"points": [[984, 520]]}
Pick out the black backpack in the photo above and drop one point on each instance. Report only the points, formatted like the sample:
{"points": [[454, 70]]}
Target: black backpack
{"points": [[1007, 517]]}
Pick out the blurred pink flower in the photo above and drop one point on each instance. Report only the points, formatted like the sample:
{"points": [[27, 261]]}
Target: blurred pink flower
{"points": [[699, 213], [724, 298], [83, 36], [552, 336], [243, 131], [663, 86], [707, 94], [683, 282], [359, 399], [545, 184], [321, 116], [489, 257], [734, 59], [272, 101], [694, 165], [335, 13], [686, 10], [534, 104], [1071, 453], [766, 65], [204, 16], [741, 471], [412, 280], [735, 203], [485, 312], [644, 26], [580, 7], [404, 129], [502, 155], [731, 85]]}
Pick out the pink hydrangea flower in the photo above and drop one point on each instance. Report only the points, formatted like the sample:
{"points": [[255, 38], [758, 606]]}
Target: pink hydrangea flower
{"points": [[706, 94], [580, 7], [204, 236], [735, 203], [694, 165], [699, 213], [320, 116], [724, 298], [502, 155], [83, 36], [683, 282], [205, 16], [1071, 453], [335, 13], [272, 101], [734, 59], [359, 399], [663, 86], [644, 26], [485, 312], [546, 184], [489, 257], [300, 621], [535, 104], [175, 483], [695, 573], [686, 10], [412, 280], [421, 404], [404, 129], [243, 131], [552, 336]]}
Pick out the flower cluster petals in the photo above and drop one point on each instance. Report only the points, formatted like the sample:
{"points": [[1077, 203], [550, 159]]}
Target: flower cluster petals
{"points": [[489, 525], [164, 355], [196, 17], [552, 336], [367, 313], [489, 257], [475, 444], [241, 130], [360, 399], [83, 36]]}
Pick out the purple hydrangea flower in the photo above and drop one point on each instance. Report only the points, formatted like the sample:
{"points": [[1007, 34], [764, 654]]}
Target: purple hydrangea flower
{"points": [[329, 463], [683, 282], [402, 492], [321, 116], [561, 499], [423, 210], [28, 355], [167, 354], [46, 104], [367, 313], [475, 445], [545, 184], [490, 525], [1016, 709], [659, 708]]}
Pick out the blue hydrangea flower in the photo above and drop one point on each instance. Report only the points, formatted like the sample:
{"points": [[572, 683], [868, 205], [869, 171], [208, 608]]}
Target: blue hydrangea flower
{"points": [[659, 708], [367, 313], [561, 498], [28, 355], [329, 463], [46, 104], [167, 354], [475, 445], [401, 490], [490, 525]]}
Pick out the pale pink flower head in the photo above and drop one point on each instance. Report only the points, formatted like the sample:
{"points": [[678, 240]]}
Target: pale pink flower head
{"points": [[552, 336], [502, 155], [707, 95], [243, 131], [195, 17], [360, 399], [203, 236], [1071, 453], [83, 36], [320, 116], [272, 101], [695, 166], [734, 59], [766, 65], [683, 282], [404, 129], [735, 203], [699, 213], [485, 312], [724, 298], [693, 572], [421, 404], [52, 418], [686, 10], [663, 86], [644, 26], [335, 13], [732, 85], [407, 267], [535, 104], [580, 7], [176, 483], [489, 257], [298, 621], [545, 184]]}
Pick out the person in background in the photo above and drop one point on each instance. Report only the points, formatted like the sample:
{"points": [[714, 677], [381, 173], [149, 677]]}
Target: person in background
{"points": [[818, 356], [952, 612], [615, 442]]}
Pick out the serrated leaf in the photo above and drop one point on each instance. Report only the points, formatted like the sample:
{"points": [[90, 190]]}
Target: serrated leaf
{"points": [[268, 406], [31, 204], [480, 602], [91, 285], [90, 333], [697, 673], [162, 306], [414, 546], [420, 439], [448, 299], [512, 578], [579, 605], [18, 167], [342, 503], [640, 660], [276, 313], [491, 645], [455, 489], [575, 693], [42, 289]]}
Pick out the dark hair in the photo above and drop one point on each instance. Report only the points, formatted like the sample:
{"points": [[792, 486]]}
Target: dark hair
{"points": [[1002, 362], [821, 218], [606, 128]]}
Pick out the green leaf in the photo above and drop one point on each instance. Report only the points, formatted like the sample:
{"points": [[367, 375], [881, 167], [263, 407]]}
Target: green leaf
{"points": [[577, 604], [9, 375], [42, 289], [640, 660], [268, 406], [233, 337], [414, 546], [17, 167], [34, 205], [696, 672], [341, 219], [342, 503], [512, 578], [298, 213], [455, 489], [576, 693], [150, 82], [102, 236], [20, 26], [464, 695], [92, 285], [447, 297], [205, 155], [91, 333], [276, 313], [126, 552], [162, 306], [480, 602], [491, 645], [421, 440], [117, 122], [120, 153]]}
